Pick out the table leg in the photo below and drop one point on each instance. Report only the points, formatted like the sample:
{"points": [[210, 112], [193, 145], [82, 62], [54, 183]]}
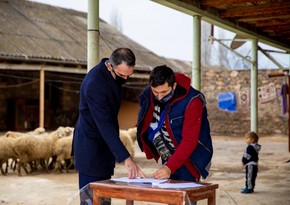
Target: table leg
{"points": [[97, 200], [211, 199], [129, 202]]}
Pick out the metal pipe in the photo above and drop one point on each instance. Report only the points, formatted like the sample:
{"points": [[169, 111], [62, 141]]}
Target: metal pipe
{"points": [[271, 58], [93, 33], [196, 68], [235, 52], [254, 86]]}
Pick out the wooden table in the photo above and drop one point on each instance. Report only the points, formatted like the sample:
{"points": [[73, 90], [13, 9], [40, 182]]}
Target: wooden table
{"points": [[131, 193]]}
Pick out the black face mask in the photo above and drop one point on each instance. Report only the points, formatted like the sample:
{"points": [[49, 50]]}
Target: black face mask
{"points": [[167, 97], [119, 80]]}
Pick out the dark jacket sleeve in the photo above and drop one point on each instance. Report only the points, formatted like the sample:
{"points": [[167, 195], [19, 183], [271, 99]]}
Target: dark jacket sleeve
{"points": [[248, 154], [103, 98]]}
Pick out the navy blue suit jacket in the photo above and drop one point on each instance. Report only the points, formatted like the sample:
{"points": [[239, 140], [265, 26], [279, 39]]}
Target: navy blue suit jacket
{"points": [[96, 141]]}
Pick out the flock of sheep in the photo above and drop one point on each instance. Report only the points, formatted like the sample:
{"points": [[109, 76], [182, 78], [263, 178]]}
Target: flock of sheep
{"points": [[40, 149]]}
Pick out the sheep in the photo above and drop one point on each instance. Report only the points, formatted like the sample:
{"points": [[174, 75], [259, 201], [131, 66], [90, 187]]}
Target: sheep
{"points": [[127, 141], [62, 150], [15, 134], [37, 131], [6, 152], [36, 147], [69, 131], [133, 134]]}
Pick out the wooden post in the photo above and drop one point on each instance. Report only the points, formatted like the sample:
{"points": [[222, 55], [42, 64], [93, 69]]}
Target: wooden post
{"points": [[41, 98]]}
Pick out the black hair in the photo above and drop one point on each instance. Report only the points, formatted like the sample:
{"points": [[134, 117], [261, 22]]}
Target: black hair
{"points": [[160, 75], [121, 55]]}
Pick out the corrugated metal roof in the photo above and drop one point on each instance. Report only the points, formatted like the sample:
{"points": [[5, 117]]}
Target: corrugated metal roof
{"points": [[31, 30]]}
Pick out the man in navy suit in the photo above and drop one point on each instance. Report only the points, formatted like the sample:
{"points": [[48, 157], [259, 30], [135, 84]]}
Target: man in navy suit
{"points": [[96, 142]]}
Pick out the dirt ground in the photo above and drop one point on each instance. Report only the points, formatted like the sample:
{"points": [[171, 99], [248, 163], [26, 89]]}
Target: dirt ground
{"points": [[272, 185]]}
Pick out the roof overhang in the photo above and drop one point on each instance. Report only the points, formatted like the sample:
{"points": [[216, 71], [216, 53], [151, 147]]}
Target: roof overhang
{"points": [[192, 8], [38, 67]]}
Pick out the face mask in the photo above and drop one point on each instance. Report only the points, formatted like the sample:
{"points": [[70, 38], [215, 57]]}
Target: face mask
{"points": [[167, 97], [119, 80]]}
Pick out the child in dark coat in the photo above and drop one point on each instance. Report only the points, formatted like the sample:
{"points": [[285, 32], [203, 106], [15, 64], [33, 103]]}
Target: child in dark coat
{"points": [[250, 161]]}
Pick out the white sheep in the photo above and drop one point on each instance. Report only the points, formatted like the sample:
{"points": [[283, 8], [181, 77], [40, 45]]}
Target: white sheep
{"points": [[62, 150], [133, 133], [15, 134], [37, 131], [36, 147], [127, 141], [6, 152]]}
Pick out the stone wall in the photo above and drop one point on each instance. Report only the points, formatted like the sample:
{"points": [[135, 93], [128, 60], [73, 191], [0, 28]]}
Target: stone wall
{"points": [[270, 118]]}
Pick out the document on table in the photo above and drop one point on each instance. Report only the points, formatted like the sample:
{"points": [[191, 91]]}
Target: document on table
{"points": [[161, 183], [179, 185], [139, 180]]}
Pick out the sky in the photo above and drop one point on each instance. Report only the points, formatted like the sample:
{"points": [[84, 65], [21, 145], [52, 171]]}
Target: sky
{"points": [[164, 31]]}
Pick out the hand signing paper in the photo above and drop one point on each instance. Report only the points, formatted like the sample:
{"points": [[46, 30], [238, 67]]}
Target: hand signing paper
{"points": [[163, 173], [133, 169]]}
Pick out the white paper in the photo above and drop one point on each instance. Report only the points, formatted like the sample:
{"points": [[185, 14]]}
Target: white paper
{"points": [[139, 180], [178, 185], [157, 183]]}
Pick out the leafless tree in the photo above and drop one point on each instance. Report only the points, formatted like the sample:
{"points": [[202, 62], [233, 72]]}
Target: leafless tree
{"points": [[116, 20], [206, 47], [223, 52]]}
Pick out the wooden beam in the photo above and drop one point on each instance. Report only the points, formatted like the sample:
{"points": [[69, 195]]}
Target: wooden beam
{"points": [[263, 10], [41, 97], [32, 67]]}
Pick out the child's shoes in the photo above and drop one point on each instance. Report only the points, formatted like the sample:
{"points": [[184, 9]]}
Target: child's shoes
{"points": [[247, 191]]}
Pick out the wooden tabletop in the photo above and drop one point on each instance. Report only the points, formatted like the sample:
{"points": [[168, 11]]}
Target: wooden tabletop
{"points": [[145, 192]]}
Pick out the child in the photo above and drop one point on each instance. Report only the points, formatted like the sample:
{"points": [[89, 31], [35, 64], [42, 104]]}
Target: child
{"points": [[250, 160]]}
